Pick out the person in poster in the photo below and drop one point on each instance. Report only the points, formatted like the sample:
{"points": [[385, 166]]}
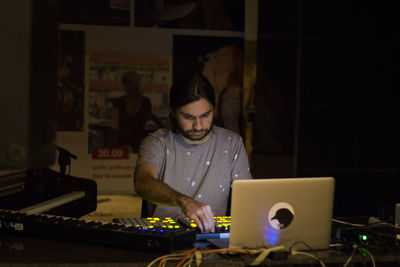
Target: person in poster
{"points": [[223, 68], [123, 88], [130, 113]]}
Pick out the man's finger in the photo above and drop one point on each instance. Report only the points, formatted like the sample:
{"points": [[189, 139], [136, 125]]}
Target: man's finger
{"points": [[199, 223], [210, 219]]}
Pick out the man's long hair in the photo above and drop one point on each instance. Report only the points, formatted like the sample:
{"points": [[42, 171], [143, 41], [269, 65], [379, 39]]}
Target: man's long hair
{"points": [[189, 88]]}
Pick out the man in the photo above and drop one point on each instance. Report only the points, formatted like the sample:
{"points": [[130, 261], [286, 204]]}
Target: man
{"points": [[187, 170]]}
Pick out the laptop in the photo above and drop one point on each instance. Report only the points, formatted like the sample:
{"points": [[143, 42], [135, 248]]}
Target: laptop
{"points": [[293, 212]]}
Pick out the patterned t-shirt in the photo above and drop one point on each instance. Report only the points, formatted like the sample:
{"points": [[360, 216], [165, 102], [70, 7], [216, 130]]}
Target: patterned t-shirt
{"points": [[204, 172]]}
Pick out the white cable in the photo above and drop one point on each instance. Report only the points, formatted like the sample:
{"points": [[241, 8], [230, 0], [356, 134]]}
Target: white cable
{"points": [[264, 253], [370, 255], [351, 256], [198, 257], [188, 263], [377, 223], [352, 224]]}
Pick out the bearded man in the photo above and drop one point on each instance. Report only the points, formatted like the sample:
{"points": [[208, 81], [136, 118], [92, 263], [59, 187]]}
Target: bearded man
{"points": [[187, 169]]}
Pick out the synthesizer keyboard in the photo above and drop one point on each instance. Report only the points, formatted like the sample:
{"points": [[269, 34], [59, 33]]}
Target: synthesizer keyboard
{"points": [[222, 225], [155, 237]]}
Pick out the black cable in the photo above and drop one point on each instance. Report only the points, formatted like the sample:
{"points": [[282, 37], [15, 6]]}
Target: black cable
{"points": [[64, 159]]}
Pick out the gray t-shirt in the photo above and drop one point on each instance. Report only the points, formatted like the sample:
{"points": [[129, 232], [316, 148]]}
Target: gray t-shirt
{"points": [[204, 172]]}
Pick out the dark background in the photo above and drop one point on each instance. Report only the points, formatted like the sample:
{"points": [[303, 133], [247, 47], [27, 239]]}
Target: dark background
{"points": [[328, 76], [188, 48]]}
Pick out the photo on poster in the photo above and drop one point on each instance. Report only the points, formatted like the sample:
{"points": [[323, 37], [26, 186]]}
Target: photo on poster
{"points": [[95, 12], [128, 99], [227, 15], [70, 81], [220, 59]]}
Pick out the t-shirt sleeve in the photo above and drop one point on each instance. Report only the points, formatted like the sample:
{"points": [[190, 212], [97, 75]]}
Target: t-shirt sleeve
{"points": [[240, 162], [151, 151]]}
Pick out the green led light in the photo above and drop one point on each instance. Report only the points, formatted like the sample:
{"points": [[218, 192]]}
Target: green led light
{"points": [[363, 237]]}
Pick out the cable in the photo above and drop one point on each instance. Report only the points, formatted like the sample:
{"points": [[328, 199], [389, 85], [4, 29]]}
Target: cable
{"points": [[370, 255], [187, 257], [198, 257], [294, 252], [264, 254], [355, 247], [164, 261], [194, 255], [352, 224], [308, 246], [377, 223], [188, 263], [351, 256], [175, 256], [300, 242]]}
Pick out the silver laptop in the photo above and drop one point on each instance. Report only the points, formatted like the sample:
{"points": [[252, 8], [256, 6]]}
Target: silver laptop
{"points": [[293, 212]]}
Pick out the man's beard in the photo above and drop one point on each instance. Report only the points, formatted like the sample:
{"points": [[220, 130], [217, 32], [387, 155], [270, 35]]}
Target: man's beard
{"points": [[190, 134]]}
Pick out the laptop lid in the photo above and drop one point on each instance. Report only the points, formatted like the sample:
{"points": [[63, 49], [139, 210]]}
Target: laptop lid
{"points": [[282, 211]]}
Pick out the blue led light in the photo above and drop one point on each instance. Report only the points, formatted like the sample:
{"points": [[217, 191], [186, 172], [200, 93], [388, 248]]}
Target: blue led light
{"points": [[271, 235]]}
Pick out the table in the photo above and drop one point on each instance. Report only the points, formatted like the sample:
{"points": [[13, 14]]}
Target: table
{"points": [[31, 251]]}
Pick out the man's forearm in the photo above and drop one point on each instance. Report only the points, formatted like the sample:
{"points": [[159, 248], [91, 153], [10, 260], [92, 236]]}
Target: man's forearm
{"points": [[157, 192]]}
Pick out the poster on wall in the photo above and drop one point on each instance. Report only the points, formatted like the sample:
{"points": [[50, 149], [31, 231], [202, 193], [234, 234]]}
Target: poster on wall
{"points": [[70, 82], [227, 15], [128, 98], [220, 59]]}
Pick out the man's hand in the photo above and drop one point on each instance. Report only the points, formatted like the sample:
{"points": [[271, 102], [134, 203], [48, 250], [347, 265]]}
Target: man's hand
{"points": [[155, 191], [199, 212]]}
